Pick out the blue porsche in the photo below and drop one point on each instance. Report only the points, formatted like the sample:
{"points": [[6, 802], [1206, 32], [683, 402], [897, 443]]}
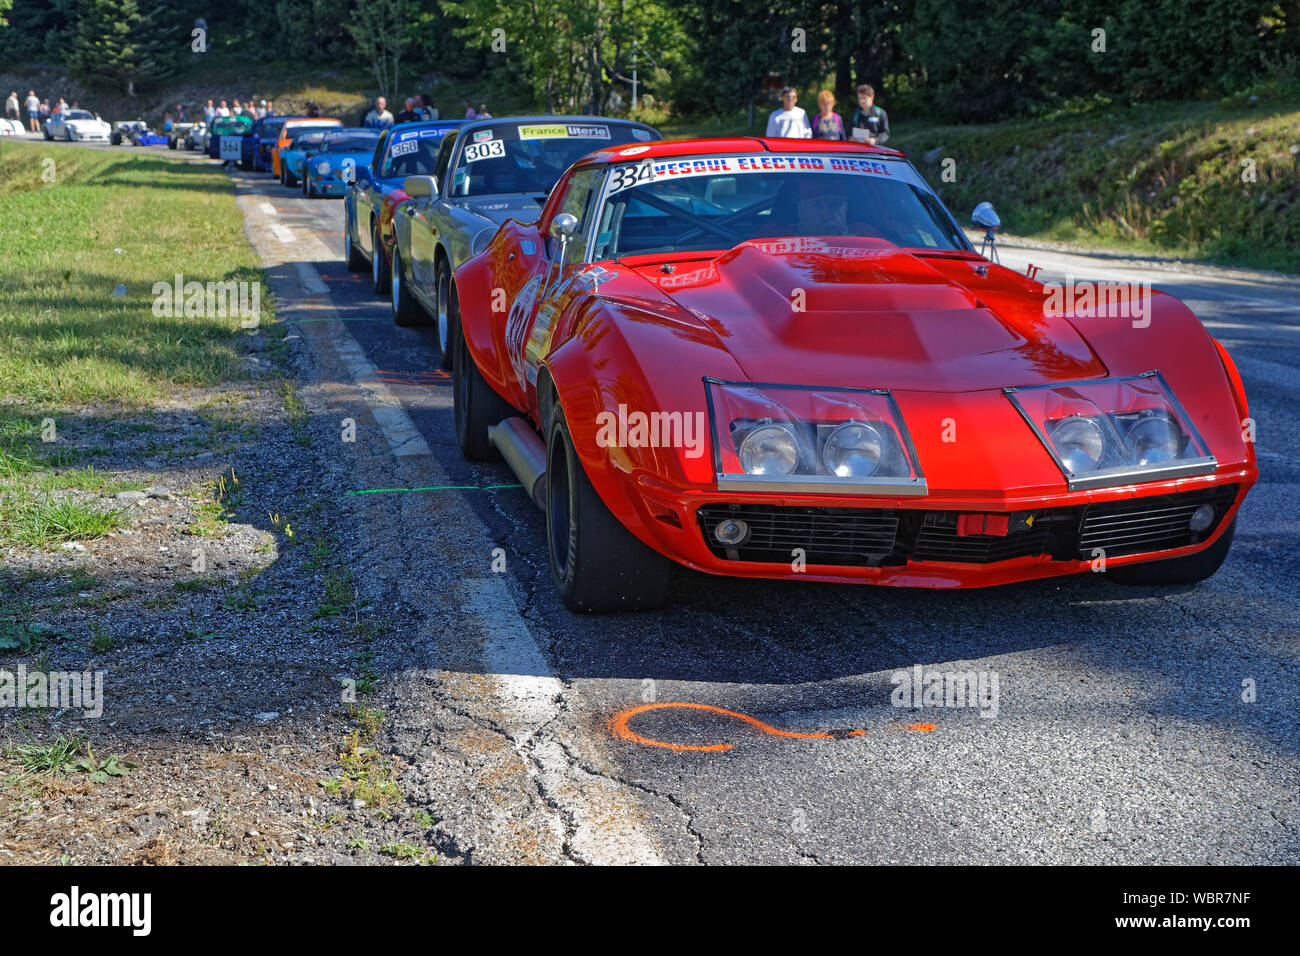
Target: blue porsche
{"points": [[410, 149], [333, 167]]}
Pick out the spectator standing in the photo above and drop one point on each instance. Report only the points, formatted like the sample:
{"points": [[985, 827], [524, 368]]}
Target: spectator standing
{"points": [[408, 113], [236, 109], [427, 110], [379, 117], [33, 111], [469, 111], [870, 124], [483, 112], [223, 110], [828, 124], [11, 106], [270, 108], [790, 121], [168, 122], [313, 111], [209, 113]]}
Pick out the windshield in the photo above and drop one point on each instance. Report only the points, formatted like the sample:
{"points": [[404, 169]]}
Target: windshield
{"points": [[308, 138], [235, 125], [413, 152], [530, 157], [350, 142], [77, 114], [716, 202]]}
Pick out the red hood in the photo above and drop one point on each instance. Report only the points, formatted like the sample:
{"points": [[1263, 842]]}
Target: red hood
{"points": [[874, 316]]}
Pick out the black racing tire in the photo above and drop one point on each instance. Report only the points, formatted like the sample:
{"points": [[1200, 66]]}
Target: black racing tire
{"points": [[356, 262], [477, 406], [1185, 570], [379, 276], [46, 129], [406, 311], [306, 187], [114, 139], [597, 565], [289, 179], [443, 319], [171, 142]]}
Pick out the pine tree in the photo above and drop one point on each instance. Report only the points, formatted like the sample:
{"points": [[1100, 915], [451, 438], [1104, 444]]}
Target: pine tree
{"points": [[126, 43]]}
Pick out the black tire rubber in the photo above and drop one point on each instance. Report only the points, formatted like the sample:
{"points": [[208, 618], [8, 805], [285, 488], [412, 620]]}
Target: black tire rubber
{"points": [[290, 179], [306, 188], [444, 288], [477, 406], [406, 311], [356, 262], [171, 142], [1185, 570], [597, 565], [379, 276]]}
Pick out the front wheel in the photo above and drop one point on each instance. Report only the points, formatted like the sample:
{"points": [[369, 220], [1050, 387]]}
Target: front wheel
{"points": [[477, 406], [378, 263], [446, 333], [356, 262], [596, 563], [1185, 570], [406, 311]]}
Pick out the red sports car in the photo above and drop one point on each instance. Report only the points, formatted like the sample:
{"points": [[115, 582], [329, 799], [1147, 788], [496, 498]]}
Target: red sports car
{"points": [[783, 359]]}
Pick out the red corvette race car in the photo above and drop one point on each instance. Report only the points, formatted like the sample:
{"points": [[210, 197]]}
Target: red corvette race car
{"points": [[783, 359]]}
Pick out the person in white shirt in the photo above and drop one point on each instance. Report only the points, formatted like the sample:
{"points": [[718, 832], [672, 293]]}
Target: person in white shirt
{"points": [[223, 109], [790, 121], [33, 111]]}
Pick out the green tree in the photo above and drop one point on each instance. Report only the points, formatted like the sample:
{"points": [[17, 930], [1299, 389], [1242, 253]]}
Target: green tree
{"points": [[381, 30], [126, 43]]}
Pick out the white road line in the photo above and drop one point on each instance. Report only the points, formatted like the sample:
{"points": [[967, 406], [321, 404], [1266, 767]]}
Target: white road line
{"points": [[282, 232], [310, 279], [604, 824], [267, 209], [402, 435]]}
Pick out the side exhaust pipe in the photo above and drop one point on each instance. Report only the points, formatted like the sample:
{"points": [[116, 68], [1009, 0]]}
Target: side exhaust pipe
{"points": [[524, 452]]}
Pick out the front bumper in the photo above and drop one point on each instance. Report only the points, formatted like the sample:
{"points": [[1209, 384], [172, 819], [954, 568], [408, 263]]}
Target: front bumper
{"points": [[938, 543], [329, 187]]}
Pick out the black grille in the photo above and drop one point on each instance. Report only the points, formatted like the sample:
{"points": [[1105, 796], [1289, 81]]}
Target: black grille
{"points": [[938, 540], [1149, 524], [827, 535], [876, 536]]}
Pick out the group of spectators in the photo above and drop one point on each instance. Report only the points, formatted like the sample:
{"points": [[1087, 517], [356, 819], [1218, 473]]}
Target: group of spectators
{"points": [[250, 108], [869, 123], [36, 110], [415, 109]]}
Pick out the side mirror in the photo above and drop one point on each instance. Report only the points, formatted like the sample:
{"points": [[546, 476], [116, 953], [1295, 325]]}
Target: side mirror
{"points": [[564, 226], [985, 216], [420, 186]]}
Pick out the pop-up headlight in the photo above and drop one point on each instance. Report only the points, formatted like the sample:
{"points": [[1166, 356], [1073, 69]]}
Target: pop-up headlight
{"points": [[801, 439], [1115, 431]]}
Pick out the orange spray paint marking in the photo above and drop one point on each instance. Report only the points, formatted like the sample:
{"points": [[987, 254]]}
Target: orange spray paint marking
{"points": [[621, 729]]}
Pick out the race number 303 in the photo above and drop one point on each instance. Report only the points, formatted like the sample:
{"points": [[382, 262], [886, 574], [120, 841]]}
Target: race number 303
{"points": [[476, 151]]}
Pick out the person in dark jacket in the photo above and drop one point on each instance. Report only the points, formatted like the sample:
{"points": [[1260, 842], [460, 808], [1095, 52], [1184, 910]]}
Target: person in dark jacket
{"points": [[870, 124]]}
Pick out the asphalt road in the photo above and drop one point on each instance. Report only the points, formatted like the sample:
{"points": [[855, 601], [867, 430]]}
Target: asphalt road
{"points": [[1121, 732]]}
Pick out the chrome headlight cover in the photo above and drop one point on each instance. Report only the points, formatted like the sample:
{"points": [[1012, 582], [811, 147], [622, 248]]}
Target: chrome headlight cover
{"points": [[323, 168], [1097, 445], [815, 429]]}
